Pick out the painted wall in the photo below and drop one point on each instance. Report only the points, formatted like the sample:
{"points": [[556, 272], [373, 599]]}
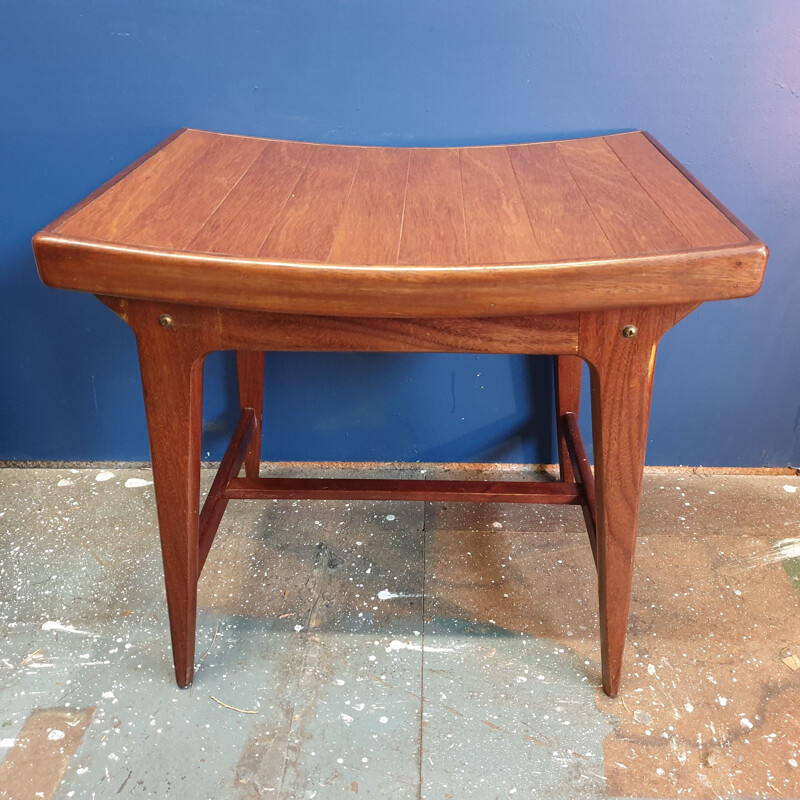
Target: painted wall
{"points": [[88, 86]]}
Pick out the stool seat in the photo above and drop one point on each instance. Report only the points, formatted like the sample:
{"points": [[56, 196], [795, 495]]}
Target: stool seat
{"points": [[299, 228]]}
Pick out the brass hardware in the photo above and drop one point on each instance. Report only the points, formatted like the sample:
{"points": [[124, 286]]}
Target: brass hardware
{"points": [[165, 321], [629, 331]]}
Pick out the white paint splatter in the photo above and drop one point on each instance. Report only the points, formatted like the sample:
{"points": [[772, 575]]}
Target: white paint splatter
{"points": [[745, 723], [136, 483], [82, 770], [781, 551], [390, 517], [7, 742], [104, 475], [789, 488], [55, 625], [108, 695], [55, 735], [497, 524], [299, 628], [65, 482], [689, 707], [723, 701], [346, 718], [398, 645], [385, 594], [651, 669]]}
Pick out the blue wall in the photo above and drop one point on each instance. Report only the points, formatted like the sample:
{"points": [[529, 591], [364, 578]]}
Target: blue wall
{"points": [[88, 86]]}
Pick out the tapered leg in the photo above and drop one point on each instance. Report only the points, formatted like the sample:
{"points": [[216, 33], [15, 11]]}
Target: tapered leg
{"points": [[567, 379], [250, 366], [621, 368], [172, 378]]}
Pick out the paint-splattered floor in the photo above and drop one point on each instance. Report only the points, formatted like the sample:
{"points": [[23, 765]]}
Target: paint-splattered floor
{"points": [[398, 650]]}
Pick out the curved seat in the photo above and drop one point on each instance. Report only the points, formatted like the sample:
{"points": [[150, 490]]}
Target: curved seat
{"points": [[292, 227]]}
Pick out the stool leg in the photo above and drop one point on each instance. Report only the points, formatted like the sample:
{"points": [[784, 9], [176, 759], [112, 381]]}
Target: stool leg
{"points": [[172, 380], [250, 366], [567, 379], [621, 372]]}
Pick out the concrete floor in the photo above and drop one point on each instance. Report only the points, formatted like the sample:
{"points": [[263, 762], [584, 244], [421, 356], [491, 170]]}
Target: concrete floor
{"points": [[398, 650]]}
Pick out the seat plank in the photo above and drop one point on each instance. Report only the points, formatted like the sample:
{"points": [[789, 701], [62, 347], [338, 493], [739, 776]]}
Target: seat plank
{"points": [[372, 220], [562, 221], [111, 211], [245, 217], [700, 222], [633, 223], [175, 214], [497, 224], [306, 227], [434, 229]]}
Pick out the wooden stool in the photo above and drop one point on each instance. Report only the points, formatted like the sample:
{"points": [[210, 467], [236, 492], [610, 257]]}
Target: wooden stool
{"points": [[587, 249]]}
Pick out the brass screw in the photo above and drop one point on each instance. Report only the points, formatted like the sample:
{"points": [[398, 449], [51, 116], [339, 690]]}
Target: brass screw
{"points": [[629, 331], [165, 321]]}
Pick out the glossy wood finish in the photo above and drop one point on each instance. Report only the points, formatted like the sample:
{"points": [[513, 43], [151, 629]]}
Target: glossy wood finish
{"points": [[298, 228], [579, 461], [414, 490], [215, 242], [218, 495], [567, 376], [250, 371], [621, 372], [172, 380]]}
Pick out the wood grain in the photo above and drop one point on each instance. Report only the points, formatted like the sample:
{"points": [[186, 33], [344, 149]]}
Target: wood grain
{"points": [[250, 374], [292, 227], [171, 363], [692, 276], [306, 228], [434, 229], [564, 225], [497, 225], [621, 371], [581, 467], [567, 376], [372, 220], [178, 211], [111, 212], [630, 219], [701, 223], [244, 219], [242, 330], [217, 497], [411, 490]]}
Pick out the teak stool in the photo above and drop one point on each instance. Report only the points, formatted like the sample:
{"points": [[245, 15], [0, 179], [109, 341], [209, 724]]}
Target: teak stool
{"points": [[587, 249]]}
